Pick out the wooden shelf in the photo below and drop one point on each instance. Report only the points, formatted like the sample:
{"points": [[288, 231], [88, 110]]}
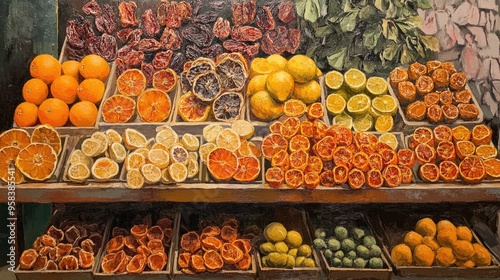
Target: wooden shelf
{"points": [[251, 193]]}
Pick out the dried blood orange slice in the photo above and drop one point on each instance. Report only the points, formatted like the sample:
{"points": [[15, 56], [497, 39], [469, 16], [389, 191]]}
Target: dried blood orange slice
{"points": [[468, 112], [434, 113], [281, 160], [450, 113], [41, 263], [248, 169], [213, 260], [340, 174], [406, 174], [197, 263], [463, 96], [306, 129], [361, 161], [311, 180], [190, 241], [211, 243], [15, 137], [374, 178], [486, 151], [343, 156], [294, 178], [118, 109], [155, 233], [416, 111], [389, 156], [406, 157], [68, 262], [324, 148], [481, 135], [472, 169], [399, 74], [425, 153], [137, 264], [131, 82], [165, 80], [315, 111], [356, 179], [446, 97], [406, 92], [275, 127], [28, 259], [294, 108], [458, 81], [464, 149], [139, 231], [492, 167], [191, 109], [416, 70], [318, 129], [460, 133], [422, 135], [290, 127], [211, 231], [365, 138], [232, 73], [376, 161], [326, 178], [228, 233], [341, 134], [245, 263], [222, 164], [429, 172], [243, 244], [37, 161], [424, 85], [314, 164], [299, 142], [442, 133], [441, 77], [157, 261], [8, 157], [446, 151], [299, 160], [275, 177], [392, 175], [227, 106], [153, 105], [431, 99], [48, 135], [231, 253], [184, 259], [207, 86], [448, 171]]}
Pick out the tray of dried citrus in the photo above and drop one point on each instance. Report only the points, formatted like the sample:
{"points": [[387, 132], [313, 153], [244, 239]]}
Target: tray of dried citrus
{"points": [[210, 91], [69, 249], [434, 93], [458, 154], [140, 247], [32, 157], [434, 245]]}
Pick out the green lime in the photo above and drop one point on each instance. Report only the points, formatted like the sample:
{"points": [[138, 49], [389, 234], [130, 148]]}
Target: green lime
{"points": [[389, 139], [359, 104], [343, 119], [385, 105], [355, 80], [384, 123], [376, 86], [335, 104], [363, 123], [334, 80]]}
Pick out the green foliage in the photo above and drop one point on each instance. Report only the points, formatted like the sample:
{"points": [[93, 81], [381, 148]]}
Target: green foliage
{"points": [[372, 35]]}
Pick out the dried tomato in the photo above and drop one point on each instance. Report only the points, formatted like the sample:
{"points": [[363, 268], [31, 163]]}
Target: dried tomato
{"points": [[174, 17], [91, 8], [234, 46], [124, 34], [252, 50], [133, 58], [222, 28], [237, 13], [162, 12], [123, 51], [77, 32], [162, 59], [150, 24], [108, 48], [148, 69], [135, 37], [74, 53], [148, 45], [246, 33], [170, 39], [265, 20], [105, 21], [275, 41], [121, 66], [286, 12], [249, 10], [127, 14], [294, 40], [185, 10], [196, 6], [218, 5]]}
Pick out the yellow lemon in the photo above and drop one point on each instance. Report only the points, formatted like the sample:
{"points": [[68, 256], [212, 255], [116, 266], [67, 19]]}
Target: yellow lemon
{"points": [[277, 62], [256, 84], [308, 92], [302, 68], [280, 85], [264, 107]]}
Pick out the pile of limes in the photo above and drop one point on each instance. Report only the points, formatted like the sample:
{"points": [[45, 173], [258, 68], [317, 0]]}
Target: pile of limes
{"points": [[360, 103]]}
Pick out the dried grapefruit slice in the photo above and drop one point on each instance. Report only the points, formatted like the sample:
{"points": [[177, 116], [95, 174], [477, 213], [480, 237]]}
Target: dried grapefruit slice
{"points": [[48, 135], [429, 172], [324, 148], [299, 160], [153, 105], [227, 106], [207, 86], [8, 157], [37, 161], [272, 144], [222, 164], [422, 135], [281, 159], [299, 142], [165, 80], [392, 175], [314, 164], [374, 178], [15, 137], [442, 133], [191, 109], [294, 178], [275, 177], [446, 151], [306, 129], [118, 109], [356, 179], [248, 169], [342, 156], [472, 169], [232, 74], [448, 171], [131, 82]]}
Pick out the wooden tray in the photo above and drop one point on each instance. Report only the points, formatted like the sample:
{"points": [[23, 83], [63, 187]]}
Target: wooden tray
{"points": [[145, 275], [384, 273], [81, 274], [408, 220]]}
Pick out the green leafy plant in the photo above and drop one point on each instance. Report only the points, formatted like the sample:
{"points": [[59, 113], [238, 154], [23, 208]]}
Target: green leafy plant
{"points": [[372, 35]]}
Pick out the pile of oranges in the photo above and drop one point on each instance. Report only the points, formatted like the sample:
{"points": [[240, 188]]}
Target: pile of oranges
{"points": [[61, 92]]}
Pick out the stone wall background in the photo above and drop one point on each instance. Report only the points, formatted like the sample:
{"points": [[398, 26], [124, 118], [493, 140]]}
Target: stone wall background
{"points": [[469, 34]]}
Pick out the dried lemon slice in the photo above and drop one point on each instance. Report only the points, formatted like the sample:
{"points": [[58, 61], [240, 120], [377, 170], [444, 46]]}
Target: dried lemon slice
{"points": [[117, 152], [133, 139], [77, 156], [104, 169], [134, 161], [166, 136], [193, 168], [91, 147], [190, 142], [78, 172], [228, 139], [205, 149], [135, 180], [193, 156], [165, 177], [143, 151], [211, 131], [158, 157], [178, 172], [243, 128], [113, 136], [151, 173]]}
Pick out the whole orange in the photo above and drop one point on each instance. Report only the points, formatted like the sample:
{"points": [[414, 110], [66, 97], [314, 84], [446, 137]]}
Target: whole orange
{"points": [[91, 90], [72, 68], [94, 66], [65, 88], [45, 67], [53, 111], [35, 91], [26, 114], [83, 113]]}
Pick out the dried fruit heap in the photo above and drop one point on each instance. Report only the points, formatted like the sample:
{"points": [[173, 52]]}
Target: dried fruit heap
{"points": [[447, 154], [443, 244], [215, 248], [435, 92], [70, 244], [142, 248]]}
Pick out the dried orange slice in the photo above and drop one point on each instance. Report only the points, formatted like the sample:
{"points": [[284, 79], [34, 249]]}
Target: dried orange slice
{"points": [[441, 77], [422, 135], [448, 171], [213, 261], [28, 259], [464, 149], [377, 162], [197, 263], [47, 134], [294, 108], [442, 133], [429, 172], [183, 260], [314, 164], [211, 243], [275, 127], [406, 157], [157, 261], [15, 137], [306, 129], [37, 161], [153, 105], [406, 92], [324, 148], [481, 135], [131, 82], [315, 111], [227, 106], [361, 161], [374, 178], [137, 264], [424, 85], [342, 156], [425, 153], [191, 109], [299, 142], [432, 65], [281, 159], [356, 179], [311, 180], [229, 231], [118, 109], [463, 96], [275, 177], [486, 151], [248, 169], [392, 175], [492, 167], [290, 127], [326, 178], [231, 253], [222, 164], [299, 160], [399, 74], [450, 113], [458, 81], [232, 74], [207, 86], [446, 151], [389, 156], [446, 97], [472, 169], [416, 70], [431, 99], [416, 111], [272, 144], [190, 241], [8, 170], [294, 178], [434, 113], [468, 112], [406, 174], [104, 169], [318, 129], [165, 80]]}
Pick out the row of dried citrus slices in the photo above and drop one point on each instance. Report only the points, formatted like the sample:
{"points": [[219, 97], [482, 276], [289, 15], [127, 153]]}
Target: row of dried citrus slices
{"points": [[32, 156], [152, 104], [213, 88]]}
